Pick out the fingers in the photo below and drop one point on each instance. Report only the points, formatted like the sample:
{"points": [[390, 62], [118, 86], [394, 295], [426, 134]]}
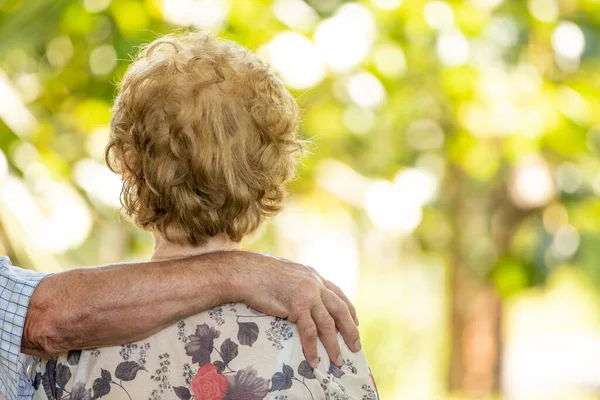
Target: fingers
{"points": [[342, 296], [326, 329], [343, 320], [308, 337]]}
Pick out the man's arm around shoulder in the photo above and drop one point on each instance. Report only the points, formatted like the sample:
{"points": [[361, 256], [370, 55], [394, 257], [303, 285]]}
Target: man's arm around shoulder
{"points": [[117, 304]]}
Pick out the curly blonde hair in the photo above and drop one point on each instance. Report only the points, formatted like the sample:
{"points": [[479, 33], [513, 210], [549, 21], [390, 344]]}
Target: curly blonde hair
{"points": [[204, 136]]}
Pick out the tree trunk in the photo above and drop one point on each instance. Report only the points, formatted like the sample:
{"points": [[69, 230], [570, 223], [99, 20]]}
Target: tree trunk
{"points": [[475, 311], [475, 355]]}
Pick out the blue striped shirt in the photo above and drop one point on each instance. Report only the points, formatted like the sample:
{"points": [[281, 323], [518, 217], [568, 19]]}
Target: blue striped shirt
{"points": [[16, 288]]}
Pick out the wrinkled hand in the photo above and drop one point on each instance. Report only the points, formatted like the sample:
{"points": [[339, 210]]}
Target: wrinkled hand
{"points": [[297, 292]]}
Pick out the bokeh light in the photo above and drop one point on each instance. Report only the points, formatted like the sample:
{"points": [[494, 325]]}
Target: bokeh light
{"points": [[296, 14], [59, 51], [95, 6], [296, 59], [451, 185], [203, 14], [531, 183], [387, 4], [13, 111], [568, 40], [439, 15], [365, 90], [345, 38], [453, 48], [103, 60], [98, 181], [543, 10], [390, 60], [390, 209]]}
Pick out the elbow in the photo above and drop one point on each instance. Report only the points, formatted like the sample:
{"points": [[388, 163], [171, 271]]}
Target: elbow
{"points": [[47, 339], [42, 333], [42, 337]]}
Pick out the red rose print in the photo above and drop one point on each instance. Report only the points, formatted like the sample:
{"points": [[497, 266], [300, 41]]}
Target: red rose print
{"points": [[208, 384]]}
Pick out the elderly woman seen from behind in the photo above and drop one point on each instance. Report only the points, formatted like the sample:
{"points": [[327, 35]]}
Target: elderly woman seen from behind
{"points": [[204, 136]]}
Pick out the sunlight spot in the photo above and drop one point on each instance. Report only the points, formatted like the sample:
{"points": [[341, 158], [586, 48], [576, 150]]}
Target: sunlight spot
{"points": [[543, 10], [568, 177], [565, 242], [203, 14], [295, 13], [103, 60], [296, 59], [390, 209], [390, 60], [439, 15], [387, 4], [94, 6], [98, 181], [568, 40], [358, 120], [59, 51], [531, 184], [365, 90], [345, 39], [453, 48]]}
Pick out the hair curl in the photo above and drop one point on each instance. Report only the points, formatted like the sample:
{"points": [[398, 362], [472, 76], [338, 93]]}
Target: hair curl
{"points": [[204, 136]]}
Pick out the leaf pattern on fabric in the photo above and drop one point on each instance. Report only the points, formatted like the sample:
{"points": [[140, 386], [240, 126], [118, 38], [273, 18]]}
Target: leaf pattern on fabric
{"points": [[288, 370], [49, 380], [105, 375], [63, 374], [73, 357], [80, 392], [37, 380], [127, 370], [206, 366], [220, 365], [229, 351], [182, 392], [305, 370], [335, 370], [282, 380], [101, 387], [246, 384], [49, 389], [247, 333]]}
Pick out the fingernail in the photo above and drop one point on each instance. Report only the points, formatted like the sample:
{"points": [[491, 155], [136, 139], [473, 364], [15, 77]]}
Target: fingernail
{"points": [[357, 345], [339, 360]]}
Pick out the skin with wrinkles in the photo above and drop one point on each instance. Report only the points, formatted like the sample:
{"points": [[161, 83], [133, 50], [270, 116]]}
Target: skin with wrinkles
{"points": [[122, 303]]}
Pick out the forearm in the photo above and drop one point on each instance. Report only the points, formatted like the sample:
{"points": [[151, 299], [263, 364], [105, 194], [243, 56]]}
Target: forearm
{"points": [[118, 304], [112, 305]]}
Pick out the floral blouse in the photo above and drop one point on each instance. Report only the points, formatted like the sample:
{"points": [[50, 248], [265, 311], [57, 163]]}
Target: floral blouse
{"points": [[229, 352]]}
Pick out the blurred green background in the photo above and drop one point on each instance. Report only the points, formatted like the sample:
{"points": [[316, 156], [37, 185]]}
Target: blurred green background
{"points": [[452, 189]]}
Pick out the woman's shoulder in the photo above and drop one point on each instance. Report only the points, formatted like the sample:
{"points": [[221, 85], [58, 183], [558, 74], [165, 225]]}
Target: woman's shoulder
{"points": [[225, 350], [231, 344]]}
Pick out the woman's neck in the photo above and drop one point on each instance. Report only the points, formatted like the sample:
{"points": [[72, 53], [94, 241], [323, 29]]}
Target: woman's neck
{"points": [[164, 250]]}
